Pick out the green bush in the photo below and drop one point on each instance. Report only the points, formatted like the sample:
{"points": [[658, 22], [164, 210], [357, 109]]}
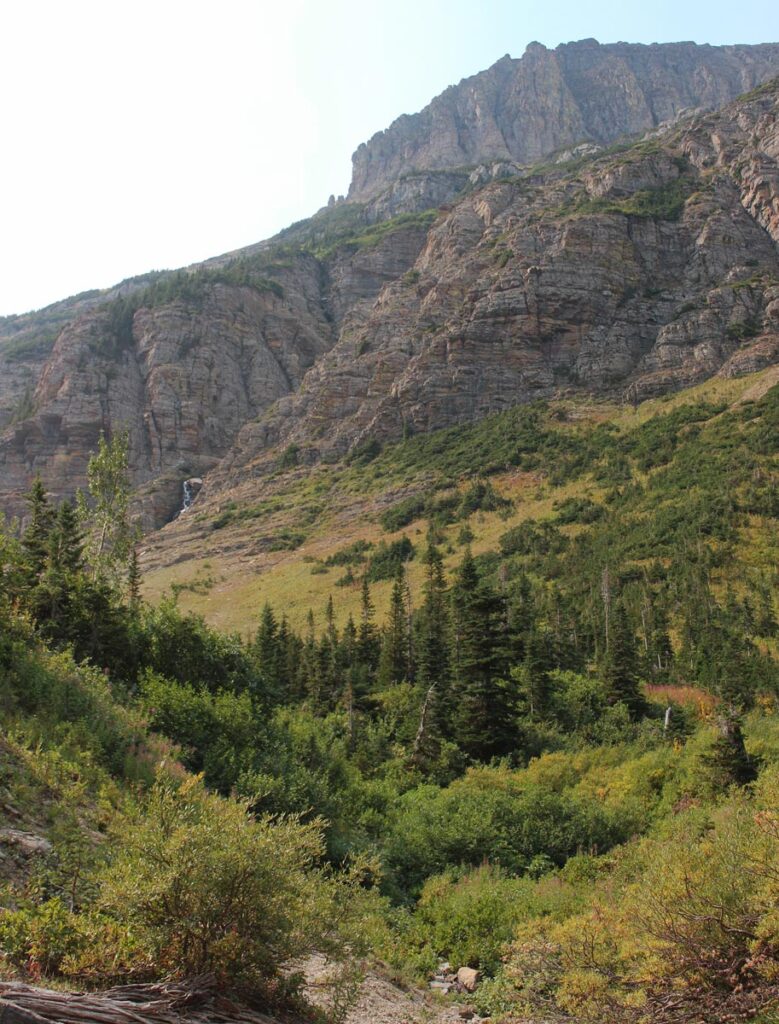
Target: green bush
{"points": [[388, 558], [490, 815], [207, 889], [469, 920], [40, 937]]}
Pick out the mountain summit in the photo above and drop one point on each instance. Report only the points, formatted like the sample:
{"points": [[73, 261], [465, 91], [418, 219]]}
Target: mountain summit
{"points": [[524, 109], [626, 270]]}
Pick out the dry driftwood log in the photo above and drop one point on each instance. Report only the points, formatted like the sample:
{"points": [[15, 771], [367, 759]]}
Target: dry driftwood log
{"points": [[193, 1002]]}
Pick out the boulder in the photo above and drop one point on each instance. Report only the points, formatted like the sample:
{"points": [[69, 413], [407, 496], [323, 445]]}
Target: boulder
{"points": [[468, 978]]}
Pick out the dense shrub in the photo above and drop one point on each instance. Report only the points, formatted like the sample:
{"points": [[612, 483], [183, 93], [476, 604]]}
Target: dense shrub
{"points": [[387, 559], [490, 816], [208, 889], [691, 931]]}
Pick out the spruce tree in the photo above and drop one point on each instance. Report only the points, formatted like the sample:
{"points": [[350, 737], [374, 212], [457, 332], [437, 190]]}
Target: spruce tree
{"points": [[393, 663], [368, 643], [311, 677], [35, 539], [728, 760], [483, 716], [134, 581], [266, 649], [533, 679], [620, 667], [66, 544], [433, 661]]}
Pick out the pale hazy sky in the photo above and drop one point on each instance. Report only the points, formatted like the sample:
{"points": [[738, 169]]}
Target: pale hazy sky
{"points": [[147, 135]]}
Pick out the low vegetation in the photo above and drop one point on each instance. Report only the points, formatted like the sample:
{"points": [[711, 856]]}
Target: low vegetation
{"points": [[556, 761]]}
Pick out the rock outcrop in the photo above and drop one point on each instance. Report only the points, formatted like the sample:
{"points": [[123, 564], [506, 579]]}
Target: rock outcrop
{"points": [[627, 272], [639, 272], [524, 109], [187, 373]]}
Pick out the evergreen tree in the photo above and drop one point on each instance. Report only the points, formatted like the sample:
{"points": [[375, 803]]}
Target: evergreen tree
{"points": [[533, 676], [393, 663], [619, 666], [35, 539], [51, 597], [134, 581], [290, 660], [267, 652], [728, 759], [659, 650], [433, 661], [66, 545], [483, 714], [433, 630], [368, 644], [311, 677]]}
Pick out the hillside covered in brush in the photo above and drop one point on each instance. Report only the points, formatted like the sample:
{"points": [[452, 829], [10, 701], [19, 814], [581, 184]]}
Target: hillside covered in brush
{"points": [[402, 591], [551, 756]]}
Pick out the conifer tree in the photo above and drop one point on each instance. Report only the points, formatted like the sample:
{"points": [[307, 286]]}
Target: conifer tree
{"points": [[433, 636], [290, 660], [433, 661], [35, 539], [728, 759], [368, 642], [66, 544], [483, 715], [266, 649], [134, 581], [533, 677], [393, 663], [619, 666], [310, 669]]}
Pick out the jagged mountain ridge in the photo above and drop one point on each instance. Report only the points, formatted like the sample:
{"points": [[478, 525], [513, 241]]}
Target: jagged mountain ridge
{"points": [[519, 288], [566, 280], [524, 109], [189, 372]]}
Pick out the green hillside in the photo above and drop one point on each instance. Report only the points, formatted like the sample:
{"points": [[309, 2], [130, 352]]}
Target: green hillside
{"points": [[529, 726]]}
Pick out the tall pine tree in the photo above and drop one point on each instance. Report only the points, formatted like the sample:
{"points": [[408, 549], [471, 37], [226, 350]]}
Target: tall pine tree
{"points": [[483, 715]]}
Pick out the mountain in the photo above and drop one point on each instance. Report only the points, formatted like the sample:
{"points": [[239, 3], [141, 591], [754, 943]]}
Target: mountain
{"points": [[522, 110], [461, 666], [618, 271]]}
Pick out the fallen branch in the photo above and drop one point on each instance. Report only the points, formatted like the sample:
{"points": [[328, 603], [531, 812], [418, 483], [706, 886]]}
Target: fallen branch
{"points": [[194, 1002]]}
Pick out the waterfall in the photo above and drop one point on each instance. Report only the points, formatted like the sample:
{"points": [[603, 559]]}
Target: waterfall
{"points": [[187, 496], [190, 488]]}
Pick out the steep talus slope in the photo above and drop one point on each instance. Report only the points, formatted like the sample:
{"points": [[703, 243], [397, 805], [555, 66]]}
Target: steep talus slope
{"points": [[523, 109], [634, 273]]}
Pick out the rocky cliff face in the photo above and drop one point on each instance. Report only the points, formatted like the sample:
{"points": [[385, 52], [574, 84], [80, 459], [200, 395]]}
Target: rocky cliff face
{"points": [[522, 110], [627, 272], [187, 375], [635, 273]]}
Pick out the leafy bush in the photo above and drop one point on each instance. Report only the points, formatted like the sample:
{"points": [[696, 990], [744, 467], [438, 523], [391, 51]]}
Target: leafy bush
{"points": [[40, 938], [352, 554], [402, 513], [388, 558], [532, 538], [578, 510], [481, 496], [469, 919], [692, 930], [489, 815], [205, 888]]}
